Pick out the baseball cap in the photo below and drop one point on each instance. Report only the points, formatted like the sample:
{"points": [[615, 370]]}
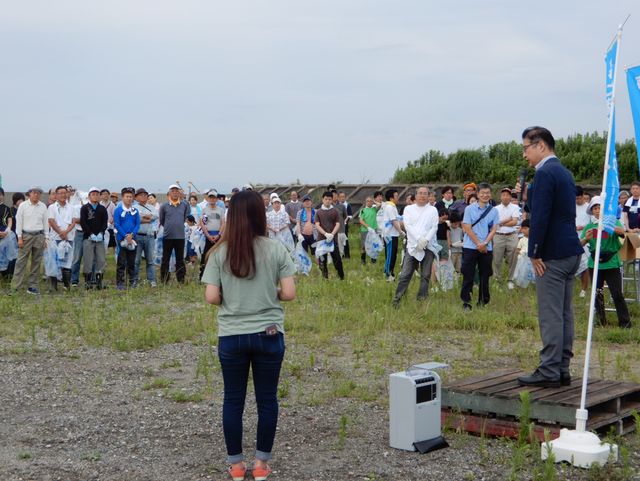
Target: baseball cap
{"points": [[212, 193], [505, 189], [35, 188], [275, 198], [306, 197], [174, 186], [94, 189], [247, 187], [142, 190]]}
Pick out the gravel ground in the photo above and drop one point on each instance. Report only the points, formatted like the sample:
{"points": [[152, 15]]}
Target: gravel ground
{"points": [[85, 415]]}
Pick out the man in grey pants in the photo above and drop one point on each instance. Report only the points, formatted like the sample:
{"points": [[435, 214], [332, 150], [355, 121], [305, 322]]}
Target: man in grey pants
{"points": [[421, 223], [94, 220], [32, 223], [555, 252]]}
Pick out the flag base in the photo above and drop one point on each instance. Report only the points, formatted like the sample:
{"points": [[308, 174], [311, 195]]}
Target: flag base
{"points": [[579, 448]]}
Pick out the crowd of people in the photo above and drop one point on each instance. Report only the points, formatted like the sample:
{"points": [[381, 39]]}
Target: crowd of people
{"points": [[439, 236]]}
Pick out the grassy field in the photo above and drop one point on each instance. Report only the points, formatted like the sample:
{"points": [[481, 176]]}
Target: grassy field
{"points": [[343, 338]]}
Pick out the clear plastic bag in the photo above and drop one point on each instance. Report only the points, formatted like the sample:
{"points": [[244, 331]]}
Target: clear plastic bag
{"points": [[8, 250], [198, 241], [373, 244], [51, 266], [445, 275], [523, 274], [286, 238], [302, 260]]}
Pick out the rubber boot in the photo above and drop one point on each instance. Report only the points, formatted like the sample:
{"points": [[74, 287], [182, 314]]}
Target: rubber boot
{"points": [[363, 258], [88, 281], [99, 281], [54, 283], [66, 278]]}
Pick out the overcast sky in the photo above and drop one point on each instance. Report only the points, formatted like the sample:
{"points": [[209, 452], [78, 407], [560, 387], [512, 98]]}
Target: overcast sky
{"points": [[147, 92]]}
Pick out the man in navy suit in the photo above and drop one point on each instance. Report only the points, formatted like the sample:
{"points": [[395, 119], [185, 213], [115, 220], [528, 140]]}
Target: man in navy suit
{"points": [[555, 252]]}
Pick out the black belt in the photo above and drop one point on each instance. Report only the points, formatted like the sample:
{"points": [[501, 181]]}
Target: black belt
{"points": [[35, 232], [139, 233], [505, 233]]}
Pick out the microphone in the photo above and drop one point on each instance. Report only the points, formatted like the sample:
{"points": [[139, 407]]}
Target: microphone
{"points": [[522, 179]]}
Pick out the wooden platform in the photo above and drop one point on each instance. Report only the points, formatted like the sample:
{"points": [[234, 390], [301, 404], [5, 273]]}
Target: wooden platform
{"points": [[490, 404]]}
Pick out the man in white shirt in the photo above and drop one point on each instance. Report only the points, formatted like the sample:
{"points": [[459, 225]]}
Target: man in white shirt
{"points": [[505, 241], [390, 228], [31, 224], [61, 229], [421, 222]]}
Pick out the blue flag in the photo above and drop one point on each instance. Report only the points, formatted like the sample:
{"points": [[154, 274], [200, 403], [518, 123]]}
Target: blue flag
{"points": [[612, 188], [633, 83]]}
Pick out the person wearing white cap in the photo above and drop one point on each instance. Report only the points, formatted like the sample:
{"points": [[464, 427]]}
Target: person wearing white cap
{"points": [[278, 223], [31, 224], [94, 218], [62, 233], [609, 266], [172, 216], [212, 225]]}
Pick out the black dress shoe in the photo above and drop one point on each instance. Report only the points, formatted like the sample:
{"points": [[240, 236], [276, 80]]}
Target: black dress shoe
{"points": [[565, 379], [538, 380]]}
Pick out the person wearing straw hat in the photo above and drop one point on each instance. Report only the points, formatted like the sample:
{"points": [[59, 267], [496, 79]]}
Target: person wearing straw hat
{"points": [[32, 221], [609, 265]]}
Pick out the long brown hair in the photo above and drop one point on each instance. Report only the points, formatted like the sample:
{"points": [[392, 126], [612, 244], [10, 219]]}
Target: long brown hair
{"points": [[246, 221]]}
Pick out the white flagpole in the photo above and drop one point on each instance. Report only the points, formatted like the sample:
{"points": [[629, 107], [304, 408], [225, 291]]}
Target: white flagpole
{"points": [[582, 414]]}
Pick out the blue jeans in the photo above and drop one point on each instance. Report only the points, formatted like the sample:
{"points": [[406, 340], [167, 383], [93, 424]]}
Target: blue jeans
{"points": [[264, 353], [146, 244], [77, 258]]}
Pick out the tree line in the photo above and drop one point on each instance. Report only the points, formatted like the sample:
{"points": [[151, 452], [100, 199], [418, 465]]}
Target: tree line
{"points": [[582, 154]]}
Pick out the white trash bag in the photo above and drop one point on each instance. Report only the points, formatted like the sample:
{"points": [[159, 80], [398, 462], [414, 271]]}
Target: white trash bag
{"points": [[302, 260], [323, 247], [523, 274], [373, 244], [445, 275]]}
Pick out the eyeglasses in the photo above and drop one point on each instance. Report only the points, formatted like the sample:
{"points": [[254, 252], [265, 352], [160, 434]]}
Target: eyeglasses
{"points": [[525, 147]]}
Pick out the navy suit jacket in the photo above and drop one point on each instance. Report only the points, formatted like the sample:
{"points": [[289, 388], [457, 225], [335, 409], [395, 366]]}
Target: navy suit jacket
{"points": [[552, 205]]}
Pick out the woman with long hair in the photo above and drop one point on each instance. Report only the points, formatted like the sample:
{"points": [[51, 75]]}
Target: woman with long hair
{"points": [[247, 275]]}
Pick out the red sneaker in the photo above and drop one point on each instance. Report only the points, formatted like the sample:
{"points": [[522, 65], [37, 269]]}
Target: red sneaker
{"points": [[237, 472], [260, 473]]}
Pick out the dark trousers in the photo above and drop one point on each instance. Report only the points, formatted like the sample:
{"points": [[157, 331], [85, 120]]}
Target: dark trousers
{"points": [[177, 246], [126, 262], [391, 253], [613, 278], [203, 258], [307, 244], [264, 354], [472, 258], [337, 262], [347, 252]]}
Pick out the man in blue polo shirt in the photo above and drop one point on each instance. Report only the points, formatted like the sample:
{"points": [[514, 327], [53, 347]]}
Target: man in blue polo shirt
{"points": [[479, 224]]}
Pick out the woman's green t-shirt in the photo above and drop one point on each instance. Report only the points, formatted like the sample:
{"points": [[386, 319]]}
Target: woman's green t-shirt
{"points": [[250, 305]]}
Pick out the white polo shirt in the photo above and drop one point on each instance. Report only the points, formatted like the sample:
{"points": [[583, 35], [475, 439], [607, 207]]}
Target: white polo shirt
{"points": [[508, 212], [63, 216]]}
